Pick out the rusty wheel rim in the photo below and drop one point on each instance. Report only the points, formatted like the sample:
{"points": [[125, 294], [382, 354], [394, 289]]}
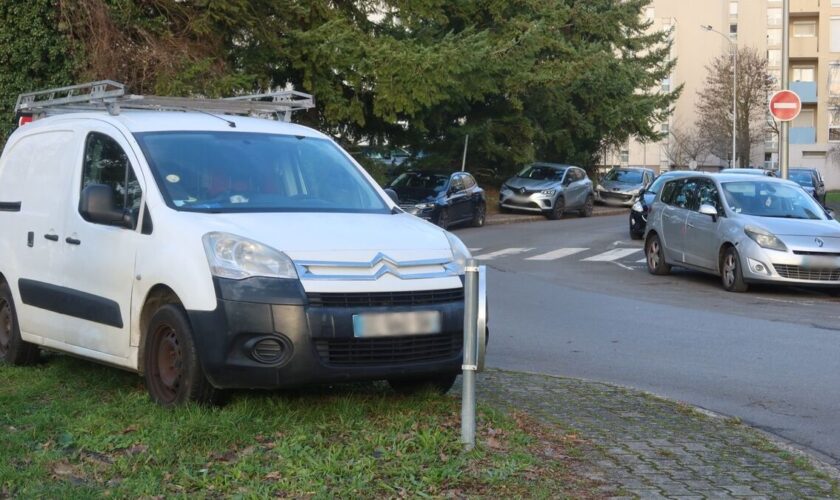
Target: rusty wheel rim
{"points": [[169, 363], [5, 326]]}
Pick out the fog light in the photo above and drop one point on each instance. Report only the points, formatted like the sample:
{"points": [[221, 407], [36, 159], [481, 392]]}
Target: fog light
{"points": [[758, 267], [270, 350]]}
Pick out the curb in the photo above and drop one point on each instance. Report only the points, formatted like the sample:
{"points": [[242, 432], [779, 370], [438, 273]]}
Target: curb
{"points": [[500, 219], [818, 460]]}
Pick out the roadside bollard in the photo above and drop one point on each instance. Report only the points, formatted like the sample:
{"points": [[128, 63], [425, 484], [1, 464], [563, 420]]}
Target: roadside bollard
{"points": [[475, 323]]}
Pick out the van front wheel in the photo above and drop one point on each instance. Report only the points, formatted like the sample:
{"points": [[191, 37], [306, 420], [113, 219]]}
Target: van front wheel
{"points": [[172, 369]]}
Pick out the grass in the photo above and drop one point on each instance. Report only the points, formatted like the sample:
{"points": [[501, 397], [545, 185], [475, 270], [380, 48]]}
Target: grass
{"points": [[73, 429], [832, 198]]}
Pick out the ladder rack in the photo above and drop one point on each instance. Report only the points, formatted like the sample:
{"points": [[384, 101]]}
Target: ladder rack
{"points": [[111, 96]]}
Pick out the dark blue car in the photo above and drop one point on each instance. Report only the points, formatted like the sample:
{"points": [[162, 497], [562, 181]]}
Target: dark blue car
{"points": [[444, 199], [639, 210]]}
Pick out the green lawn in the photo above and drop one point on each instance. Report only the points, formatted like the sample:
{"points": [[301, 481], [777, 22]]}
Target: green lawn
{"points": [[69, 428], [832, 198]]}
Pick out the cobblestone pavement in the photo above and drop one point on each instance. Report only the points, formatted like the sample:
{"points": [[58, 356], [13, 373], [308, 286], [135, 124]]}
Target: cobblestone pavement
{"points": [[648, 447]]}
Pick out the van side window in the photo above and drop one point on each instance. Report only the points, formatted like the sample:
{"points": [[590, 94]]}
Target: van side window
{"points": [[106, 163]]}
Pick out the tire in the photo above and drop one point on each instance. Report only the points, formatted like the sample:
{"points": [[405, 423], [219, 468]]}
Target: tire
{"points": [[655, 256], [439, 384], [588, 206], [172, 370], [480, 216], [443, 219], [731, 276], [13, 349], [557, 210]]}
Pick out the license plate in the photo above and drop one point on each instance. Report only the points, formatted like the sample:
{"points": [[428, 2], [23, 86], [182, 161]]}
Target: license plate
{"points": [[396, 324]]}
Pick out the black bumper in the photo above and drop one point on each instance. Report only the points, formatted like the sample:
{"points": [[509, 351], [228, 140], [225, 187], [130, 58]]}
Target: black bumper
{"points": [[315, 337], [638, 222]]}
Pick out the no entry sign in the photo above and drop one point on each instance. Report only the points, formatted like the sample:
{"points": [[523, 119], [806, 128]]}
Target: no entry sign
{"points": [[785, 105]]}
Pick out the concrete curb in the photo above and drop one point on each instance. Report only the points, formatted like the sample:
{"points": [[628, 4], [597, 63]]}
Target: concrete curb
{"points": [[498, 219]]}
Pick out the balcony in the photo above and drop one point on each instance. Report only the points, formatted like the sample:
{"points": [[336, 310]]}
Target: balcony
{"points": [[807, 91], [804, 47], [798, 7], [803, 135]]}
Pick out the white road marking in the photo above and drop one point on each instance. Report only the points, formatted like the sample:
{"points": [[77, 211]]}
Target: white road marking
{"points": [[609, 256], [642, 261], [474, 250], [502, 253], [557, 254]]}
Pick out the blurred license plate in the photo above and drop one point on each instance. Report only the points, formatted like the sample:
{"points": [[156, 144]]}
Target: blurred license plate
{"points": [[396, 324]]}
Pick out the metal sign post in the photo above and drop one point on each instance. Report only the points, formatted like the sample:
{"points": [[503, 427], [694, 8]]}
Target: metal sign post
{"points": [[475, 330], [784, 140]]}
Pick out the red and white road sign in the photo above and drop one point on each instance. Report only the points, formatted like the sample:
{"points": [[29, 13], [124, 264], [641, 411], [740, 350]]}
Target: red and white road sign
{"points": [[785, 105]]}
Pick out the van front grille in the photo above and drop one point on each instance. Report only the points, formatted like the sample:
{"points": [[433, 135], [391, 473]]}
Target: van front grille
{"points": [[386, 299], [389, 351]]}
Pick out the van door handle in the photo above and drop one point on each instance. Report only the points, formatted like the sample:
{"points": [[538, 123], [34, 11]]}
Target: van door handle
{"points": [[51, 237], [73, 241]]}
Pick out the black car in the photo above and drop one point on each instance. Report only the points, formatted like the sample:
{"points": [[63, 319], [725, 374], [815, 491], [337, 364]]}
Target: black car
{"points": [[639, 210], [810, 180], [444, 199]]}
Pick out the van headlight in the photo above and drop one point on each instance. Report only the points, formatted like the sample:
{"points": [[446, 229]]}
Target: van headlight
{"points": [[460, 252], [765, 239], [234, 257]]}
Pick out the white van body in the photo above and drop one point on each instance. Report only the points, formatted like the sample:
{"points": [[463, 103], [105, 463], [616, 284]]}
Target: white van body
{"points": [[91, 289]]}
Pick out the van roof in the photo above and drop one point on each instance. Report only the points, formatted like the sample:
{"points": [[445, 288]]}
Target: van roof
{"points": [[138, 121]]}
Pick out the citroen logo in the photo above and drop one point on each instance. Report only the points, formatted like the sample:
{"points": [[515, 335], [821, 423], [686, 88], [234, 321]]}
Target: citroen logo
{"points": [[819, 242]]}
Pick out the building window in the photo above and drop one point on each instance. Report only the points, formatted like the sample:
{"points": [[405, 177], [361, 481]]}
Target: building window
{"points": [[666, 128], [666, 84], [625, 155], [834, 125], [733, 31], [733, 8], [803, 74], [835, 3], [774, 58], [774, 37], [774, 16], [834, 79], [805, 29], [835, 35]]}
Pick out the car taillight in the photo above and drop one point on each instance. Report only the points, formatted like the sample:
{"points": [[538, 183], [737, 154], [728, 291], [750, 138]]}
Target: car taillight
{"points": [[24, 119]]}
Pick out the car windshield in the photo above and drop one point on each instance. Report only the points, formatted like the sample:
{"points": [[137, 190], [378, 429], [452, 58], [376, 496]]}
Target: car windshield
{"points": [[221, 172], [541, 173], [802, 178], [771, 199], [624, 176], [416, 180]]}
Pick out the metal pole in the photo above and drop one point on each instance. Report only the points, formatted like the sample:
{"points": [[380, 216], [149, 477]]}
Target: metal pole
{"points": [[784, 140], [470, 365], [734, 98], [464, 159]]}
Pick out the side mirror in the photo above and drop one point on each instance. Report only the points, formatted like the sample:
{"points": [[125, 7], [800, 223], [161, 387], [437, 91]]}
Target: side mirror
{"points": [[97, 205], [393, 195], [709, 210]]}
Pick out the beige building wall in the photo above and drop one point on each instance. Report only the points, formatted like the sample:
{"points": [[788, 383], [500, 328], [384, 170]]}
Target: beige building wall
{"points": [[757, 24]]}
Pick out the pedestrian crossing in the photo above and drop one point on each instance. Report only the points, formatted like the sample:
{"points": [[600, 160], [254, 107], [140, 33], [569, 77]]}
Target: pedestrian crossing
{"points": [[631, 255]]}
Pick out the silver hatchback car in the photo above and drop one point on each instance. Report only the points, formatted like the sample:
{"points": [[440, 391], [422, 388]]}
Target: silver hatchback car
{"points": [[745, 229]]}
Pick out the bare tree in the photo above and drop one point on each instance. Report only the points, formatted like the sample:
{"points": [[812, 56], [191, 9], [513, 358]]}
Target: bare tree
{"points": [[684, 146], [714, 106]]}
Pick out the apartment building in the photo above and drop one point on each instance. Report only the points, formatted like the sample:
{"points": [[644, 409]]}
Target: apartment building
{"points": [[814, 68]]}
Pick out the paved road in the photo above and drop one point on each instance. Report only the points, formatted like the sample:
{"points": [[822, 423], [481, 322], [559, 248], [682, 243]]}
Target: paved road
{"points": [[573, 298]]}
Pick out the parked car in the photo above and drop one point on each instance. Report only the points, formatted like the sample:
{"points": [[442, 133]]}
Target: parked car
{"points": [[623, 185], [639, 210], [215, 251], [811, 181], [444, 199], [551, 189], [749, 171], [745, 229]]}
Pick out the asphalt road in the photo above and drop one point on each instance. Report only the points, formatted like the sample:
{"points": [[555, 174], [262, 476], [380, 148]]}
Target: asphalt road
{"points": [[572, 298]]}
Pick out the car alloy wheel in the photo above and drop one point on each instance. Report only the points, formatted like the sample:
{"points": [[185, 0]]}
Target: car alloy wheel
{"points": [[443, 219], [480, 215], [730, 273], [558, 209], [587, 207], [656, 256]]}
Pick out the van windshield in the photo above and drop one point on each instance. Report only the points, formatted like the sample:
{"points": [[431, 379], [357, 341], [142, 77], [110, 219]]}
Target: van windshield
{"points": [[222, 172]]}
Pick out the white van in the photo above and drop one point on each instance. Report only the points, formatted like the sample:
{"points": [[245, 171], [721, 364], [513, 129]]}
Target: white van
{"points": [[209, 251]]}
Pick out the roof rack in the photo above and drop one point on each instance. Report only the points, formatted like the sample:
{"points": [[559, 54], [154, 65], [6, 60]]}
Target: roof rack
{"points": [[111, 96]]}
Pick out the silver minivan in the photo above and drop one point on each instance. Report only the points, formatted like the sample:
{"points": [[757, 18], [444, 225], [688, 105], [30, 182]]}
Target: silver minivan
{"points": [[745, 229]]}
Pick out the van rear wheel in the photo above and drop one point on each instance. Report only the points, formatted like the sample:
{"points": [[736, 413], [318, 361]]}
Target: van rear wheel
{"points": [[439, 384], [13, 350], [172, 369]]}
